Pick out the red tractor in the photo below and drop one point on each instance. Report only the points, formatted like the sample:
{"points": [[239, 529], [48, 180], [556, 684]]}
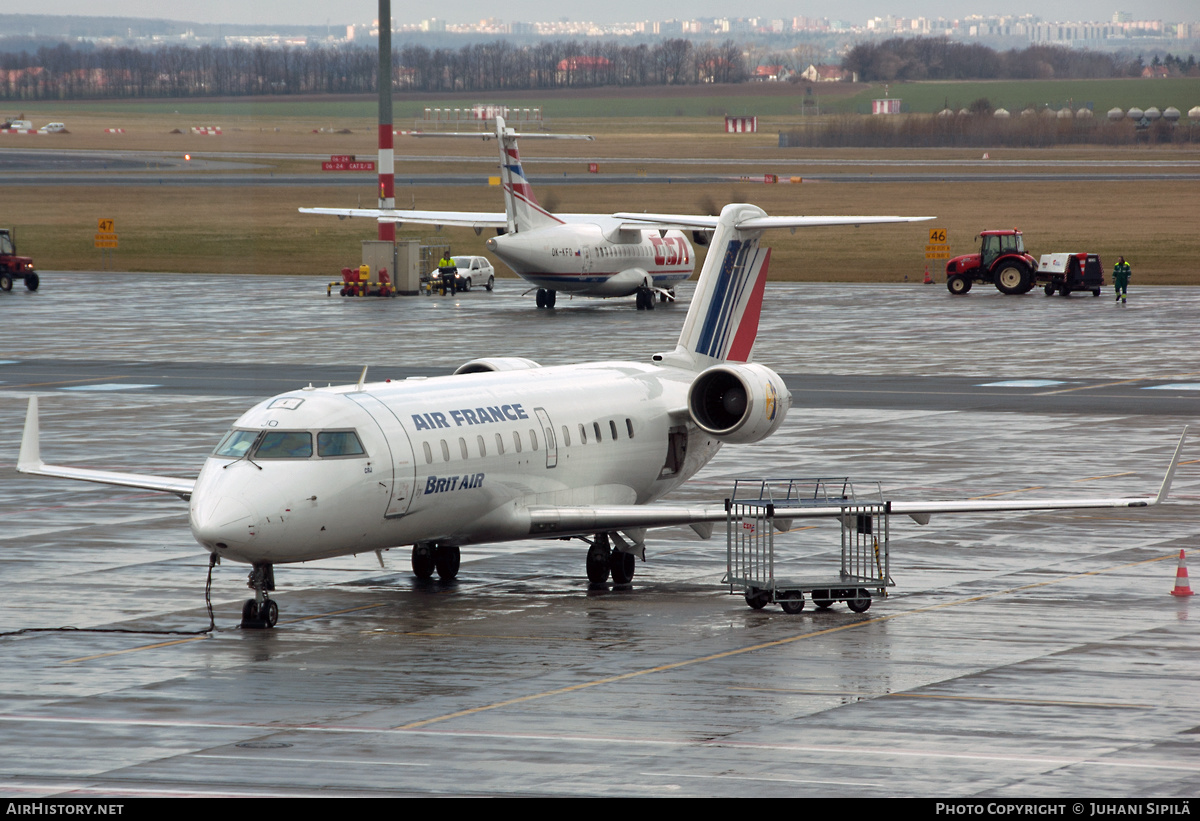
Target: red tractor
{"points": [[1001, 261], [13, 267]]}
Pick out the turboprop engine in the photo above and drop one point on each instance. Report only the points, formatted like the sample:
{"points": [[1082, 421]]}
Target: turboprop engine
{"points": [[738, 403]]}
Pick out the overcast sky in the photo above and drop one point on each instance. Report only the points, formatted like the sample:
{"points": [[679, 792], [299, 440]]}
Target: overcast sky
{"points": [[340, 12]]}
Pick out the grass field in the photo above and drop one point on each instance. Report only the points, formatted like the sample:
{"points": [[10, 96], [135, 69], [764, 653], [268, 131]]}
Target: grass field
{"points": [[258, 230]]}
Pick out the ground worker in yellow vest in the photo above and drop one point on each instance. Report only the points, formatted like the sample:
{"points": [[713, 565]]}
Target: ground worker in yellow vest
{"points": [[1121, 274], [448, 272]]}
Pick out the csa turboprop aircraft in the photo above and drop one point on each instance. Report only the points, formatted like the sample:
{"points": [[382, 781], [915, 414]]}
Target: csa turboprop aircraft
{"points": [[595, 255], [504, 449]]}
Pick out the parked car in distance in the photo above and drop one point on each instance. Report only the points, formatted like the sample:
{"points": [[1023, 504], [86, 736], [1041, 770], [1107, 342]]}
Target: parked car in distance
{"points": [[472, 271], [53, 128]]}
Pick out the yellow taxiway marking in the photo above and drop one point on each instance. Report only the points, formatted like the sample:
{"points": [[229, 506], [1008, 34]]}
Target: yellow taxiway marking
{"points": [[757, 647], [1104, 705], [136, 649]]}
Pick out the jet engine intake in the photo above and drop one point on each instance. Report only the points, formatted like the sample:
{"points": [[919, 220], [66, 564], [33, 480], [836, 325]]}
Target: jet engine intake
{"points": [[497, 363], [738, 403]]}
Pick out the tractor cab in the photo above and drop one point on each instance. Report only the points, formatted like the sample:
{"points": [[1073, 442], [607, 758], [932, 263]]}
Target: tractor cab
{"points": [[998, 243]]}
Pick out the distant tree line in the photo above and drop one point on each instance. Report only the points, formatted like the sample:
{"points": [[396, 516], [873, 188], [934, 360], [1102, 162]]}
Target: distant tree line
{"points": [[64, 72], [935, 58]]}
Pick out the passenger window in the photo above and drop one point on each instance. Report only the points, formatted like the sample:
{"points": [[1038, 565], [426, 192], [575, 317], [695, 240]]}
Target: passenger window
{"points": [[582, 434], [445, 451], [596, 429], [428, 453], [517, 440], [499, 444], [629, 426], [282, 444], [482, 447], [533, 439], [612, 427], [462, 447], [566, 436], [339, 443]]}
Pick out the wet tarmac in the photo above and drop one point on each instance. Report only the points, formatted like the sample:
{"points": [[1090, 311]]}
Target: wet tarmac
{"points": [[1018, 656]]}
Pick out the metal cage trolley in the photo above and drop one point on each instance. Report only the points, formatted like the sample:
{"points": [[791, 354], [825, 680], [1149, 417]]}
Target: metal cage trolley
{"points": [[768, 569]]}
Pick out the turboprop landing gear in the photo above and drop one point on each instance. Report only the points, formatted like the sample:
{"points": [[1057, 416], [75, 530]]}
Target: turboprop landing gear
{"points": [[645, 299], [546, 298], [260, 612]]}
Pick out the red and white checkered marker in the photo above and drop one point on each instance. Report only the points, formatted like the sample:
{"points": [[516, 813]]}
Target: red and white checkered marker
{"points": [[1182, 587]]}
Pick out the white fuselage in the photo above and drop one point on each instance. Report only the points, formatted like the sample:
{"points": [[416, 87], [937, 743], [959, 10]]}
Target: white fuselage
{"points": [[596, 258], [455, 459]]}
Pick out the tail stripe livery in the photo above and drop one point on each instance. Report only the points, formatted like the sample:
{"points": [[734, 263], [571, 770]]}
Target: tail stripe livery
{"points": [[524, 212], [732, 312]]}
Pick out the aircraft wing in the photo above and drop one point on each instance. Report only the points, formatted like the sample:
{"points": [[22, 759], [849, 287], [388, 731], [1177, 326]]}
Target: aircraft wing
{"points": [[456, 219], [686, 222], [30, 461], [549, 520]]}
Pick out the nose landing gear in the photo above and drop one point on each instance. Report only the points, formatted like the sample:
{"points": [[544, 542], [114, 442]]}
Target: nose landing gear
{"points": [[260, 612]]}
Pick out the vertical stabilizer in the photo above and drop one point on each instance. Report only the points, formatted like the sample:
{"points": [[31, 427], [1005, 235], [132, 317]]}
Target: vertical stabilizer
{"points": [[722, 322], [520, 205]]}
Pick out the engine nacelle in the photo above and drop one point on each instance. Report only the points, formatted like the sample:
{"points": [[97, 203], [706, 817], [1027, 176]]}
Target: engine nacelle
{"points": [[497, 363], [739, 403]]}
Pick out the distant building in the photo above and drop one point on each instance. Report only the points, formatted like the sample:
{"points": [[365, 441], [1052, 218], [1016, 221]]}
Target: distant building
{"points": [[827, 74]]}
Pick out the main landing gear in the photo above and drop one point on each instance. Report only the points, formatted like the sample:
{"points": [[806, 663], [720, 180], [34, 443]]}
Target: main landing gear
{"points": [[546, 297], [430, 556], [602, 561], [260, 612]]}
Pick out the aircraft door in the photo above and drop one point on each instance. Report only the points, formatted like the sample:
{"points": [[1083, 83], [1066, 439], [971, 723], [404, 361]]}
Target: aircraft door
{"points": [[403, 463], [548, 435]]}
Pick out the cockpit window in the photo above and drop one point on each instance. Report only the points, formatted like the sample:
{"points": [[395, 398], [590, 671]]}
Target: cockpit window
{"points": [[289, 444], [284, 444], [339, 443], [236, 443]]}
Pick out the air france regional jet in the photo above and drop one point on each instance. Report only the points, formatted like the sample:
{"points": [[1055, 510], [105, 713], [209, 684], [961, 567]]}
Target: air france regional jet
{"points": [[595, 255], [504, 449]]}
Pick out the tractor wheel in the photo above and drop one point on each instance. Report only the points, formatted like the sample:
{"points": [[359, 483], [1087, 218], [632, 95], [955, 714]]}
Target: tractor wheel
{"points": [[958, 285], [1010, 279]]}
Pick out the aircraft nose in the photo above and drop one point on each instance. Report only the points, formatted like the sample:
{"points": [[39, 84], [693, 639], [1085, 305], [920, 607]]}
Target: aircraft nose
{"points": [[222, 521]]}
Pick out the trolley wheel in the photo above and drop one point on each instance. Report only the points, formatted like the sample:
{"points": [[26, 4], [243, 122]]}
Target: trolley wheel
{"points": [[1049, 290], [861, 603], [757, 599], [792, 602], [822, 599]]}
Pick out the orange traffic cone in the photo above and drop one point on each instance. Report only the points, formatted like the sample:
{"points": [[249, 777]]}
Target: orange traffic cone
{"points": [[928, 278], [1182, 587]]}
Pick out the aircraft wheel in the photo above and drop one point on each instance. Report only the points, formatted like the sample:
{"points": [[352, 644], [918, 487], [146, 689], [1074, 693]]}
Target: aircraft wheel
{"points": [[598, 557], [447, 559], [31, 282], [422, 561], [551, 298], [5, 282], [861, 603], [249, 613], [792, 602], [541, 298], [622, 566], [757, 599], [269, 613]]}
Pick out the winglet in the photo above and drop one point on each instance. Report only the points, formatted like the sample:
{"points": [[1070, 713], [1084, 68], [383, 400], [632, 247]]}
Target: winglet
{"points": [[30, 457], [1166, 485]]}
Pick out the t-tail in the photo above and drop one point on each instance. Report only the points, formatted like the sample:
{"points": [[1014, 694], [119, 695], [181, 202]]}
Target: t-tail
{"points": [[722, 322], [520, 205]]}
